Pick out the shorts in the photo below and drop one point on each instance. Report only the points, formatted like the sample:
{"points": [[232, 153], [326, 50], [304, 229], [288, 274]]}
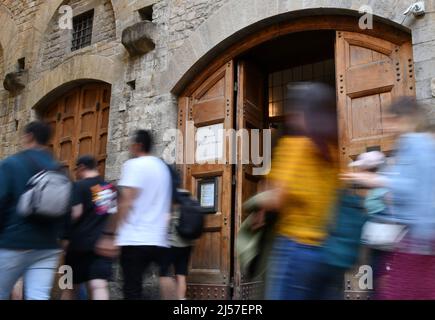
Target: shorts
{"points": [[88, 266], [178, 257]]}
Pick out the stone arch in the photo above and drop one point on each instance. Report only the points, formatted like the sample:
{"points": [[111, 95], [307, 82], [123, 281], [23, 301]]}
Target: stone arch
{"points": [[55, 44], [78, 69], [44, 17], [238, 18]]}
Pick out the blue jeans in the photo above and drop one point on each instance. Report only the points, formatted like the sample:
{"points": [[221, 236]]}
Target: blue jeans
{"points": [[38, 268], [291, 270]]}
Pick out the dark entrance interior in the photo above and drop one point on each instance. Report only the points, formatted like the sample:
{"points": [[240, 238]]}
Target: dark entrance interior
{"points": [[298, 57]]}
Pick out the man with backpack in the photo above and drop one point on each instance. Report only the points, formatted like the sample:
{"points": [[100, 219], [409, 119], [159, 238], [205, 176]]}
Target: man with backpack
{"points": [[94, 201], [30, 231]]}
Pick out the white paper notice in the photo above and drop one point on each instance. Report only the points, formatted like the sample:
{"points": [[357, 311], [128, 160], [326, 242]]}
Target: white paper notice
{"points": [[207, 195], [209, 142]]}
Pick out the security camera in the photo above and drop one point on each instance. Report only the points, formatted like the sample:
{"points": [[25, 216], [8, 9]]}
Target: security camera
{"points": [[417, 9]]}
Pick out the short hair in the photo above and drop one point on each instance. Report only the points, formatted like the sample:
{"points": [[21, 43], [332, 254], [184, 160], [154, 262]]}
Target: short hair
{"points": [[87, 161], [40, 131], [405, 106], [144, 138]]}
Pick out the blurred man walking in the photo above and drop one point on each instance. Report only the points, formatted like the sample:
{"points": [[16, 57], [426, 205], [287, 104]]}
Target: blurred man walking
{"points": [[28, 248], [94, 200]]}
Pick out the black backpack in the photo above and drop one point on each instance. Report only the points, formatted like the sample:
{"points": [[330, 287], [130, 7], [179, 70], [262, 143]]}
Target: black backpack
{"points": [[191, 221]]}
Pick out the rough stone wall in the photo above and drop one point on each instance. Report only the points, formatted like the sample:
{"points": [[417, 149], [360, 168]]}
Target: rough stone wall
{"points": [[57, 43], [11, 111], [423, 39], [146, 107]]}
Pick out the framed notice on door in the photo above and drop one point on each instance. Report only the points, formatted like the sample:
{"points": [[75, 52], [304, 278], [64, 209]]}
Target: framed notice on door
{"points": [[207, 194]]}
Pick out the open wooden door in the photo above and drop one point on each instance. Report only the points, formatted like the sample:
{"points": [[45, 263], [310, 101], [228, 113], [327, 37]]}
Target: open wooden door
{"points": [[250, 115], [370, 74], [210, 109]]}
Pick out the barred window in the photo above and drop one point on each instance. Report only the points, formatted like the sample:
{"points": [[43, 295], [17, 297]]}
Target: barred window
{"points": [[82, 30]]}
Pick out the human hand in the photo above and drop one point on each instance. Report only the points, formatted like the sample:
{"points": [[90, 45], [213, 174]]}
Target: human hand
{"points": [[366, 179]]}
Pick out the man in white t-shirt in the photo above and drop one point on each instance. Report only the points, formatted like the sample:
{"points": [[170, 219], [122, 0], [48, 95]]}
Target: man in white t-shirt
{"points": [[145, 199]]}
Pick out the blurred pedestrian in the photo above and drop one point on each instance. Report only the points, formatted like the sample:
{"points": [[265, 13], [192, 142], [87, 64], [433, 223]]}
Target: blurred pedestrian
{"points": [[304, 183], [94, 200], [410, 267], [145, 197], [29, 248], [177, 256]]}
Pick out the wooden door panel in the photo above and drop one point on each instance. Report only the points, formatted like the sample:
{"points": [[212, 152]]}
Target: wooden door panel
{"points": [[67, 127], [210, 264], [370, 74], [249, 116], [79, 120]]}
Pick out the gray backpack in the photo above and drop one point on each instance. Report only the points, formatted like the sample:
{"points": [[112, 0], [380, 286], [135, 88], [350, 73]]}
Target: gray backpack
{"points": [[47, 195]]}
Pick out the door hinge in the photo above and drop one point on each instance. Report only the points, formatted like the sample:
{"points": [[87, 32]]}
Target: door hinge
{"points": [[233, 180], [236, 86]]}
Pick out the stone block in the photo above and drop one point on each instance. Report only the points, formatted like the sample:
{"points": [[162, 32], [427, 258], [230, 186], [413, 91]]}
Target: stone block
{"points": [[138, 38], [15, 81]]}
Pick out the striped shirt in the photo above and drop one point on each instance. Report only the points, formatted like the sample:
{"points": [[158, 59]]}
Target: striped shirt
{"points": [[310, 183]]}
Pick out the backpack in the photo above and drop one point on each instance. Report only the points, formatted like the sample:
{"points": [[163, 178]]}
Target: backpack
{"points": [[191, 220], [47, 195]]}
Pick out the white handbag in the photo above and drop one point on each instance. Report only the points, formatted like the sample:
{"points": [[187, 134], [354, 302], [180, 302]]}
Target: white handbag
{"points": [[382, 235]]}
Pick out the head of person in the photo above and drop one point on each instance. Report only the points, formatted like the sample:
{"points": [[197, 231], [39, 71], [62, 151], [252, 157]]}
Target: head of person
{"points": [[141, 144], [85, 166], [405, 115], [36, 134], [311, 111]]}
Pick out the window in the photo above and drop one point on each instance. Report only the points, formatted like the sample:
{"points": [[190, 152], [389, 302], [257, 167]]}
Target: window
{"points": [[82, 30], [21, 64], [323, 71], [146, 13]]}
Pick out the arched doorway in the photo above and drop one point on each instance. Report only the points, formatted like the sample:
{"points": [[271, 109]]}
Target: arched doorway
{"points": [[243, 89], [79, 119]]}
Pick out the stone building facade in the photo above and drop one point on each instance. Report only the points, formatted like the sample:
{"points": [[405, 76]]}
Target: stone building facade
{"points": [[177, 39], [186, 30]]}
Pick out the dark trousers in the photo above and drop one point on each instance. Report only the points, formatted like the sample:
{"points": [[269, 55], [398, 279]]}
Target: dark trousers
{"points": [[134, 261], [328, 283]]}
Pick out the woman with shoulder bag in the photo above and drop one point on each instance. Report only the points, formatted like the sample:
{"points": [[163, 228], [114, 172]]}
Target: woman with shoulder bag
{"points": [[410, 232]]}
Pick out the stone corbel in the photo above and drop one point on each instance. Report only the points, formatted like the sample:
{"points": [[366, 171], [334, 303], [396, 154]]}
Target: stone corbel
{"points": [[15, 81], [138, 39]]}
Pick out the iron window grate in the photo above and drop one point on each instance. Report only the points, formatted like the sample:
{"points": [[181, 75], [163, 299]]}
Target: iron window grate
{"points": [[82, 30]]}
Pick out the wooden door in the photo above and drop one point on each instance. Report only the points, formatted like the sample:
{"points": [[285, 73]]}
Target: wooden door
{"points": [[79, 120], [250, 115], [210, 104], [370, 74]]}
